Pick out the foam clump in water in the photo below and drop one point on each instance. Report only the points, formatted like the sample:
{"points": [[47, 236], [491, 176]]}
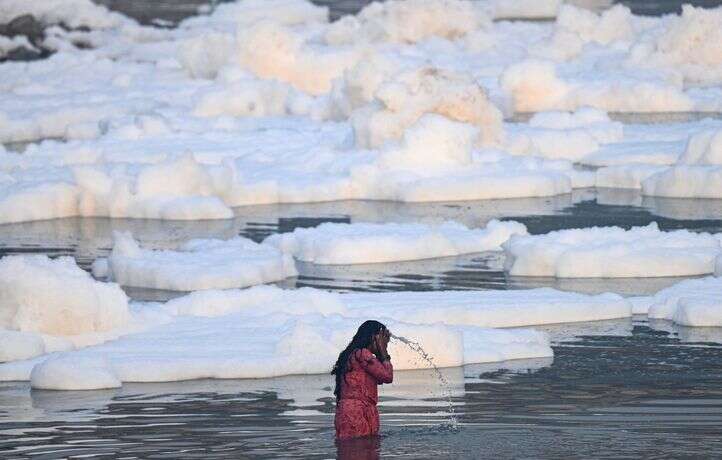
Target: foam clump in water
{"points": [[197, 264], [491, 309], [690, 45], [284, 332], [629, 176], [245, 97], [535, 85], [16, 345], [207, 347], [402, 100], [212, 302], [704, 148], [568, 135], [51, 305], [436, 161], [72, 13], [272, 51], [374, 243], [409, 21], [178, 188], [692, 302], [56, 297], [74, 372], [577, 27], [281, 332], [696, 174], [531, 9], [612, 252]]}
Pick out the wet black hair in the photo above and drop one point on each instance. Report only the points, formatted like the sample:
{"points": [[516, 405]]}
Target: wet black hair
{"points": [[362, 339]]}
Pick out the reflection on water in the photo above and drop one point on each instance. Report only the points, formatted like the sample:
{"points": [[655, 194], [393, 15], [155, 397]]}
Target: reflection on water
{"points": [[618, 389]]}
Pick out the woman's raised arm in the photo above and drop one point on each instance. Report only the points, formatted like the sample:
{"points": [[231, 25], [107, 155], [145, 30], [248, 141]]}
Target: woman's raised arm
{"points": [[382, 371]]}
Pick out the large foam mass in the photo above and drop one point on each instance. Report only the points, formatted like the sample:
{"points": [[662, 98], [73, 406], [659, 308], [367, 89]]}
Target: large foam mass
{"points": [[612, 252], [73, 13], [404, 98], [436, 161], [689, 303], [197, 264], [690, 44], [56, 297], [374, 243], [273, 51], [256, 301], [696, 174], [16, 345], [208, 347], [409, 21], [535, 85], [490, 308], [74, 372], [568, 135]]}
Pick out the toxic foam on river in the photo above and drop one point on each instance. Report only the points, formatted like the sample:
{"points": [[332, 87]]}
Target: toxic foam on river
{"points": [[267, 101], [267, 331]]}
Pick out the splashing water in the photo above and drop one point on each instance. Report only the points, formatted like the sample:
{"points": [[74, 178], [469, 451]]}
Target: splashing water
{"points": [[416, 346]]}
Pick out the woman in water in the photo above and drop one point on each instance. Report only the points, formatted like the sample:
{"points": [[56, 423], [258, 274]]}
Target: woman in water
{"points": [[360, 368]]}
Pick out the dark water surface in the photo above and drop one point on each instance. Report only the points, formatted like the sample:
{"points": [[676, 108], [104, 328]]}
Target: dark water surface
{"points": [[89, 238], [638, 392]]}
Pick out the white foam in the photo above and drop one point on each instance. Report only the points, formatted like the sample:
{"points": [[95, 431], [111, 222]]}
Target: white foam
{"points": [[409, 21], [262, 102], [689, 44], [283, 332], [15, 345], [612, 252], [179, 188], [56, 297], [435, 161], [197, 264], [626, 176], [71, 372], [704, 148], [490, 308], [568, 135], [360, 243], [535, 85], [73, 13], [696, 174], [405, 97], [532, 9], [273, 345], [690, 303]]}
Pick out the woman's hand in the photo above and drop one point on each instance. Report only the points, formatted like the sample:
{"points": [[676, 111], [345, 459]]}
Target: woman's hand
{"points": [[381, 343]]}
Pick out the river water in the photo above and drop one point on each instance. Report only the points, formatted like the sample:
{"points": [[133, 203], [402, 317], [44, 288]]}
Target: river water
{"points": [[627, 390], [615, 389], [624, 388]]}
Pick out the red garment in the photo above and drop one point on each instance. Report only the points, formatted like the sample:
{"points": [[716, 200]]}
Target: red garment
{"points": [[356, 412]]}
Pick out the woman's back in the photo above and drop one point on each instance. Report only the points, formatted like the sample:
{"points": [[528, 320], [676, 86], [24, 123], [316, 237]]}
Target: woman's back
{"points": [[365, 373], [356, 412]]}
